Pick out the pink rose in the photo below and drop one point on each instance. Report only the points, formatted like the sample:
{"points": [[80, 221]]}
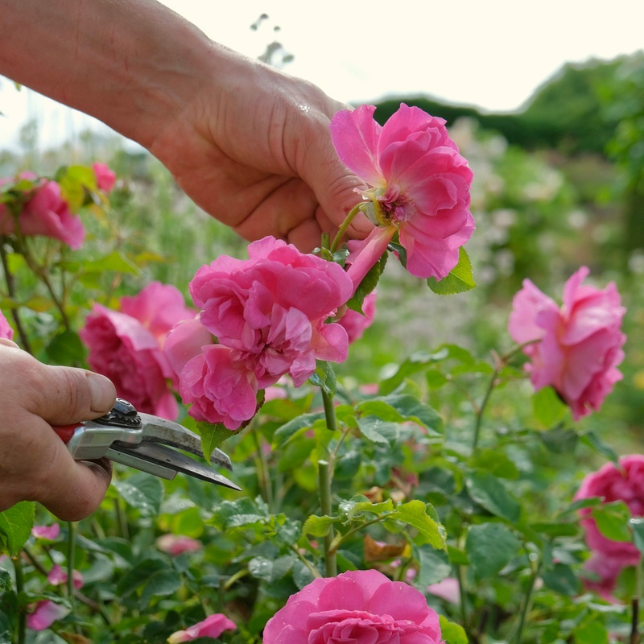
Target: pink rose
{"points": [[127, 346], [420, 188], [176, 545], [614, 484], [361, 607], [49, 532], [448, 589], [45, 614], [212, 626], [47, 214], [580, 344], [5, 329], [354, 323], [604, 573], [268, 314], [105, 178], [58, 576]]}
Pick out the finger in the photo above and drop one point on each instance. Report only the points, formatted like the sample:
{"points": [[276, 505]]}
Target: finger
{"points": [[62, 395]]}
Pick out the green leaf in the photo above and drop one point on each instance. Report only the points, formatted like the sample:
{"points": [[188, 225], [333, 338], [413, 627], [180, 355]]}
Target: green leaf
{"points": [[270, 570], [324, 377], [591, 632], [556, 529], [612, 520], [452, 632], [5, 581], [414, 513], [490, 547], [459, 280], [302, 576], [160, 583], [598, 445], [379, 431], [15, 526], [434, 565], [637, 526], [496, 463], [358, 505], [559, 440], [548, 407], [143, 492], [318, 526], [287, 431], [66, 348], [212, 436], [488, 491], [139, 574], [562, 580], [115, 261], [367, 285]]}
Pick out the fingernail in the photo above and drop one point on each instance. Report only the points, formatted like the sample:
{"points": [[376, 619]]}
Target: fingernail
{"points": [[102, 393]]}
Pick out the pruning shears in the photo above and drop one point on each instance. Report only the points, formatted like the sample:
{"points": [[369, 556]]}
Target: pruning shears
{"points": [[143, 441]]}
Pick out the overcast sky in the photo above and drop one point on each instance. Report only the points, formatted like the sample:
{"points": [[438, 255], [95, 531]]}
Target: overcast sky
{"points": [[491, 54]]}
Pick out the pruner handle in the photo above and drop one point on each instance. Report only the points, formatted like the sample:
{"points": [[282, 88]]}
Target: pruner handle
{"points": [[65, 432]]}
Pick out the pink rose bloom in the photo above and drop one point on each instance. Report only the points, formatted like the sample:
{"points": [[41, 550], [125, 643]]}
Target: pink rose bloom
{"points": [[419, 188], [361, 607], [47, 214], [49, 532], [355, 323], [212, 626], [580, 343], [58, 576], [614, 484], [105, 178], [447, 589], [127, 346], [5, 329], [176, 545], [268, 314], [45, 614], [605, 571]]}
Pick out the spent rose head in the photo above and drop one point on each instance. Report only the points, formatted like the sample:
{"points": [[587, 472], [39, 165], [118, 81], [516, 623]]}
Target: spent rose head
{"points": [[419, 188], [261, 318], [575, 348], [361, 607]]}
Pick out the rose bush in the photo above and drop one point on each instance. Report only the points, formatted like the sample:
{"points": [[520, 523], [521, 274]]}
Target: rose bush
{"points": [[576, 347]]}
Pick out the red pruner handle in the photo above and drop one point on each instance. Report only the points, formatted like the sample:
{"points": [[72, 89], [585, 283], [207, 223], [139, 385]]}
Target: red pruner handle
{"points": [[65, 431]]}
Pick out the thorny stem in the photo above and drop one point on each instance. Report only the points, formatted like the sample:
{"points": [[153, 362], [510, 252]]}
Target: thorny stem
{"points": [[501, 362], [11, 288], [344, 227], [329, 411], [341, 538], [460, 576], [20, 587], [526, 602], [324, 485]]}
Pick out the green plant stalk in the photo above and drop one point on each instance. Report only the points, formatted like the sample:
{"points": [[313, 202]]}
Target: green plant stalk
{"points": [[326, 241], [71, 545], [329, 411], [635, 606], [324, 485], [526, 602], [344, 227], [262, 471], [460, 576], [11, 288], [20, 588]]}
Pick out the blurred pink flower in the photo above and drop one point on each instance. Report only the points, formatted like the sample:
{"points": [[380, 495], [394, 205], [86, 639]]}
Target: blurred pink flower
{"points": [[212, 626], [268, 314], [580, 343], [58, 576], [611, 483], [105, 178], [447, 589], [49, 532], [361, 607], [45, 614], [127, 346], [419, 188], [5, 328], [355, 323], [605, 571], [175, 544], [47, 214]]}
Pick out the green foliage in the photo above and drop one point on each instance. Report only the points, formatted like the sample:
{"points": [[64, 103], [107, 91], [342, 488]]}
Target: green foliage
{"points": [[15, 526], [459, 280]]}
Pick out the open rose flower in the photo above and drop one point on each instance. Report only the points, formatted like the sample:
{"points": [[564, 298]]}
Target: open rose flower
{"points": [[105, 178], [268, 315], [419, 188], [212, 626], [49, 532], [58, 576], [44, 614], [579, 344], [611, 483], [127, 346], [5, 329], [358, 607], [47, 214]]}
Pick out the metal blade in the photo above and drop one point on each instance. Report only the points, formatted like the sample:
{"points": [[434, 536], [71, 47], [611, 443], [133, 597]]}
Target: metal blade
{"points": [[166, 432], [170, 458], [142, 464]]}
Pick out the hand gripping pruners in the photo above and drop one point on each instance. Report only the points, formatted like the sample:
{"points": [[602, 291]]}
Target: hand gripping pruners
{"points": [[143, 441]]}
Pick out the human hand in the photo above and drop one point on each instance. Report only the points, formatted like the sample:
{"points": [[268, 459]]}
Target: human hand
{"points": [[252, 147], [34, 463]]}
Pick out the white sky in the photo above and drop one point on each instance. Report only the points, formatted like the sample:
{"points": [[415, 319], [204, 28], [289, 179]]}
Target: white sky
{"points": [[492, 53]]}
